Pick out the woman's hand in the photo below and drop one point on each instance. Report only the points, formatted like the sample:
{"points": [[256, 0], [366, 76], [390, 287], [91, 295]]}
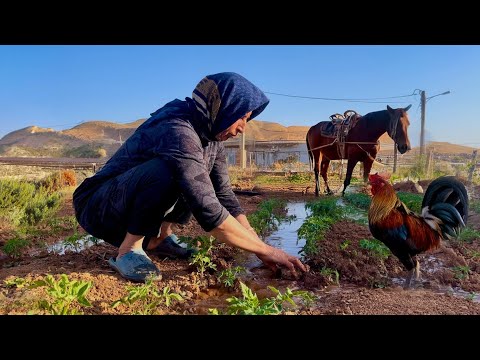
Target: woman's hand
{"points": [[279, 257]]}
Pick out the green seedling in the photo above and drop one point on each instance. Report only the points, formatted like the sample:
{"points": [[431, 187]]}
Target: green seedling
{"points": [[14, 247], [461, 272], [332, 275], [17, 282], [202, 259], [64, 294], [73, 241], [376, 248], [228, 276], [313, 230], [202, 262], [344, 245], [471, 296], [474, 254], [268, 216], [148, 297], [250, 304]]}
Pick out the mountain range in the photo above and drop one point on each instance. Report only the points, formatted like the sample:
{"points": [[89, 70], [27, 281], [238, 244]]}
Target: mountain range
{"points": [[102, 138]]}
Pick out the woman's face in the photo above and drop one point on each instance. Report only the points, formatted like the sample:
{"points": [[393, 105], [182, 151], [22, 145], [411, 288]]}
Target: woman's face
{"points": [[234, 129]]}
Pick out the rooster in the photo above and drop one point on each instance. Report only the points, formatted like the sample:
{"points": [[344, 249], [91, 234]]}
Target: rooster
{"points": [[406, 234]]}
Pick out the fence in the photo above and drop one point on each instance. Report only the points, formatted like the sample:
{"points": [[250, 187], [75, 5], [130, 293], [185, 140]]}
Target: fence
{"points": [[298, 161], [55, 163]]}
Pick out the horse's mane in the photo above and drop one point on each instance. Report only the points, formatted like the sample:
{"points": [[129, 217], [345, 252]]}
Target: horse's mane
{"points": [[374, 115]]}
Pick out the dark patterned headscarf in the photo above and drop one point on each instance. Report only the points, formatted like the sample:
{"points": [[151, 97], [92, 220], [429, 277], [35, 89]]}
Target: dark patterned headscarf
{"points": [[221, 99]]}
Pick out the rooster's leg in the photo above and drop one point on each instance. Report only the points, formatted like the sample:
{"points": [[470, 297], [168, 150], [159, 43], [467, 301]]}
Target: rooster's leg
{"points": [[416, 271], [408, 279]]}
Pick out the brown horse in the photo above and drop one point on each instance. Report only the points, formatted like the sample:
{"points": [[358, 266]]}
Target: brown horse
{"points": [[360, 144]]}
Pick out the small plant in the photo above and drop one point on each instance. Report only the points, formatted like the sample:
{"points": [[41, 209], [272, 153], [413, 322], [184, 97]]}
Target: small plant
{"points": [[471, 296], [14, 247], [148, 296], [93, 239], [228, 276], [250, 304], [344, 245], [202, 258], [203, 262], [375, 247], [17, 282], [313, 230], [474, 254], [73, 241], [268, 216], [332, 275], [64, 293], [461, 272], [325, 207]]}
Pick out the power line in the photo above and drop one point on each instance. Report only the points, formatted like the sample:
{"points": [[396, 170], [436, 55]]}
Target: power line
{"points": [[366, 100]]}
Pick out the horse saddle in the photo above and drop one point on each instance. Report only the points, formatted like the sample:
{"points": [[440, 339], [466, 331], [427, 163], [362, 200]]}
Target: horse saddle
{"points": [[340, 125]]}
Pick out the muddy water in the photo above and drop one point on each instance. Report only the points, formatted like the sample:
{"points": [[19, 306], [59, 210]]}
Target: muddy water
{"points": [[85, 242], [285, 237]]}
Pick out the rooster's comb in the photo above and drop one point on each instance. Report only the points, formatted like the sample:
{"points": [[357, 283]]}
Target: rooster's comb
{"points": [[376, 177]]}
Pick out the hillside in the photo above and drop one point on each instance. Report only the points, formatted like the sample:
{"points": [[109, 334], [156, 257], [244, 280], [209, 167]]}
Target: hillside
{"points": [[89, 139], [102, 138], [268, 131]]}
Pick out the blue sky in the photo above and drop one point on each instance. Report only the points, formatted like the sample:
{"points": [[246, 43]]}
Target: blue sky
{"points": [[62, 86]]}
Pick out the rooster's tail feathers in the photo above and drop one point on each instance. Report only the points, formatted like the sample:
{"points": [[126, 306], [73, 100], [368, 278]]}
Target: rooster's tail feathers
{"points": [[447, 190], [444, 217]]}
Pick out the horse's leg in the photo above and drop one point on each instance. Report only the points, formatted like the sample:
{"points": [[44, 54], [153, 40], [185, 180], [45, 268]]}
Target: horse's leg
{"points": [[324, 172], [316, 166], [350, 166], [367, 166]]}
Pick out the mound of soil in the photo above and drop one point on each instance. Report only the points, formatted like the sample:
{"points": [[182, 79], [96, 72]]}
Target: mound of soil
{"points": [[340, 250], [409, 186]]}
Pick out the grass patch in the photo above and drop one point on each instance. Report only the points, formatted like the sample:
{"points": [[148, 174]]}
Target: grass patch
{"points": [[468, 234], [413, 201], [475, 206], [359, 200]]}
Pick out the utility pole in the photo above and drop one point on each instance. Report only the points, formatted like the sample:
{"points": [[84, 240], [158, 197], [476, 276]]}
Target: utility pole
{"points": [[472, 167], [243, 157], [423, 100], [394, 157]]}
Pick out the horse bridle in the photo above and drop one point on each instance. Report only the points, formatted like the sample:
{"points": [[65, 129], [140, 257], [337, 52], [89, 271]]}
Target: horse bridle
{"points": [[392, 131]]}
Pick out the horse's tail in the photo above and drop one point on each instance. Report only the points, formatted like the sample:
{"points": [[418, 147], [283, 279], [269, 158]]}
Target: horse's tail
{"points": [[310, 154]]}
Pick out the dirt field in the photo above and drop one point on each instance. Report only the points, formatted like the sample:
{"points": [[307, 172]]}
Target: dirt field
{"points": [[365, 285]]}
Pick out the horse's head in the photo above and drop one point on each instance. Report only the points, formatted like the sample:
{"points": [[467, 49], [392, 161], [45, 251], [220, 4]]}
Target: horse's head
{"points": [[398, 128]]}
